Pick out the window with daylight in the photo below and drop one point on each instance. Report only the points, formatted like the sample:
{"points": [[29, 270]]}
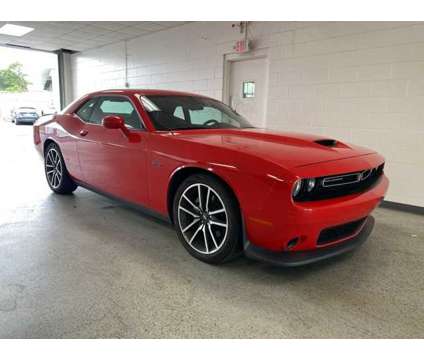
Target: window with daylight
{"points": [[248, 89]]}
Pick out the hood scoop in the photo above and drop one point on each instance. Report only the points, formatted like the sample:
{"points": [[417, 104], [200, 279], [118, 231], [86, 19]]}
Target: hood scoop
{"points": [[326, 142]]}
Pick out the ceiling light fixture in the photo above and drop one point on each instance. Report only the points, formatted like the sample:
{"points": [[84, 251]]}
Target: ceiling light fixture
{"points": [[15, 30]]}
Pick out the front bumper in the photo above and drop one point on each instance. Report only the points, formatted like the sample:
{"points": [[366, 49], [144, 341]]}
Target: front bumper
{"points": [[298, 258]]}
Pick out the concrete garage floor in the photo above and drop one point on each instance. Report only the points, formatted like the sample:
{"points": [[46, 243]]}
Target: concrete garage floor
{"points": [[85, 266]]}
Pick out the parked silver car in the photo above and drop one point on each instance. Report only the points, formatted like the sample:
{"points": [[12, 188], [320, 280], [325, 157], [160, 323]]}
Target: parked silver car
{"points": [[25, 115]]}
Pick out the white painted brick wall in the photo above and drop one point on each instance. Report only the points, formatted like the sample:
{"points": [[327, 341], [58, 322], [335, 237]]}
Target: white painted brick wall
{"points": [[362, 82]]}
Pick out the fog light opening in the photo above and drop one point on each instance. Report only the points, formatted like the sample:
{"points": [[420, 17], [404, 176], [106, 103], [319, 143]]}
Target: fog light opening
{"points": [[292, 243]]}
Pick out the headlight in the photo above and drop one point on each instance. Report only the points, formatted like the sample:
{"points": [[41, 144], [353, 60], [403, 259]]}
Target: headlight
{"points": [[296, 188], [310, 184], [303, 186]]}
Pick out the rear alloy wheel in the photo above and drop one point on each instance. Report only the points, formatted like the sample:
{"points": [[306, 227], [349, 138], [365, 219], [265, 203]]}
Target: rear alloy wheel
{"points": [[57, 175], [207, 219]]}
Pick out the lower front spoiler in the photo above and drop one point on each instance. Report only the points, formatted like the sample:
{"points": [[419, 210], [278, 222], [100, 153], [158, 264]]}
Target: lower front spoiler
{"points": [[298, 258]]}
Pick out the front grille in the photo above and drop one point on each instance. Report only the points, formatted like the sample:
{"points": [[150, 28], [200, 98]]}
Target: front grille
{"points": [[339, 232], [342, 184]]}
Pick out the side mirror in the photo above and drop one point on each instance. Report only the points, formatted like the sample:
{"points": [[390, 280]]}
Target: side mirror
{"points": [[118, 123], [113, 122]]}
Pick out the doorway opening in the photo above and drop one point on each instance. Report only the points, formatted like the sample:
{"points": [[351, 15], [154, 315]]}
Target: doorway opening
{"points": [[246, 86], [29, 85]]}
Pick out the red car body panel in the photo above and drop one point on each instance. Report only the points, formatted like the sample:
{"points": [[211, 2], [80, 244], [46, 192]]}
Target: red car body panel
{"points": [[260, 167]]}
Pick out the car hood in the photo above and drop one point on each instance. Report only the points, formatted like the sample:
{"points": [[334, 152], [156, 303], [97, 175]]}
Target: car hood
{"points": [[287, 149]]}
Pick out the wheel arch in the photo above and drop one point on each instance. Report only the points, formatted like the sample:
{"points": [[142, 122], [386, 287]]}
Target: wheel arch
{"points": [[47, 142], [183, 173]]}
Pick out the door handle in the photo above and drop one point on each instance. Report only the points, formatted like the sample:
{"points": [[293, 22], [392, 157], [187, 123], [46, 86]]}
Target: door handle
{"points": [[83, 132]]}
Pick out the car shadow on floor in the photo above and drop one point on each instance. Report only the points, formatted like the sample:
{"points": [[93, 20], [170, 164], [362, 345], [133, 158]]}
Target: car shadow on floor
{"points": [[136, 218]]}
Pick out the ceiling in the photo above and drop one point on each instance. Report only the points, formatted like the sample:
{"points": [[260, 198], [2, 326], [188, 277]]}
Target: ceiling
{"points": [[81, 35]]}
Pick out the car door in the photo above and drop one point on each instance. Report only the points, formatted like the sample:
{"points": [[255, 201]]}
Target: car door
{"points": [[110, 162]]}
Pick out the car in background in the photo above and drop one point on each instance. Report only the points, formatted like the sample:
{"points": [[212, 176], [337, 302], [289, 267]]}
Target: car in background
{"points": [[25, 115], [285, 198]]}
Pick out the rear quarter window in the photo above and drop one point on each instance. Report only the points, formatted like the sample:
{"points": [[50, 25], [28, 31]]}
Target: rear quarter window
{"points": [[86, 110]]}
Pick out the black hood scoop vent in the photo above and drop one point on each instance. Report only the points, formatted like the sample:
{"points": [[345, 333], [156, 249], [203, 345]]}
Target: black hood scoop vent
{"points": [[326, 142]]}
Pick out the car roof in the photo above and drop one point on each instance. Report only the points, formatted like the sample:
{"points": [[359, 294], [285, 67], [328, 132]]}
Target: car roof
{"points": [[25, 107], [144, 92]]}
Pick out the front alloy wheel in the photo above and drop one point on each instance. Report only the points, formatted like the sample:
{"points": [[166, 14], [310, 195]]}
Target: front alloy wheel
{"points": [[206, 217]]}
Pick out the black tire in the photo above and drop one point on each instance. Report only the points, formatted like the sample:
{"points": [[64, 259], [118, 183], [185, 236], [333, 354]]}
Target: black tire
{"points": [[231, 244], [61, 185]]}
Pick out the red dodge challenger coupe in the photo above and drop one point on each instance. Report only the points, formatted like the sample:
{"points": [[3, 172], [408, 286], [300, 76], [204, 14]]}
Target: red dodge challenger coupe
{"points": [[227, 187]]}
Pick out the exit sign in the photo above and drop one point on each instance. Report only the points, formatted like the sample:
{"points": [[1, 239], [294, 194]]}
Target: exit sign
{"points": [[242, 46]]}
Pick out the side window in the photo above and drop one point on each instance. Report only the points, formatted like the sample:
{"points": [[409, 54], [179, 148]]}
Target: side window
{"points": [[179, 112], [199, 117], [86, 110], [116, 106]]}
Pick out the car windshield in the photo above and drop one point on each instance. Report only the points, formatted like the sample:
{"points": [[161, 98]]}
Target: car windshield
{"points": [[191, 112]]}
